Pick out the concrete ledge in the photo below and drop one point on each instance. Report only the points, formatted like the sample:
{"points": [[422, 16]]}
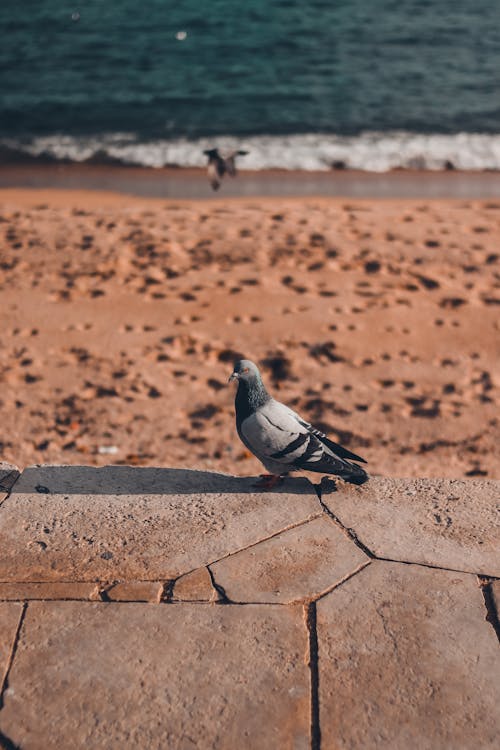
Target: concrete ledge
{"points": [[8, 476], [176, 608], [64, 523]]}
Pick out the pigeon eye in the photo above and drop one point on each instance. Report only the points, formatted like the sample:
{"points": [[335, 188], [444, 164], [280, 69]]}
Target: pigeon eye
{"points": [[245, 369]]}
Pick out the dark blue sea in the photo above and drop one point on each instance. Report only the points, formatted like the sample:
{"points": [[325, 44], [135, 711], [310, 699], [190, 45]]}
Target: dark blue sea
{"points": [[372, 84]]}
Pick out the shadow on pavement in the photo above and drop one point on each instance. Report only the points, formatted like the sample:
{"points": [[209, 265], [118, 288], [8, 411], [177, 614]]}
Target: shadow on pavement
{"points": [[131, 480]]}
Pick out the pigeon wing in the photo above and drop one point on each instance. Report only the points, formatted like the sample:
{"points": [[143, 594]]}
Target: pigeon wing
{"points": [[275, 433], [230, 164], [335, 448], [271, 433], [339, 450]]}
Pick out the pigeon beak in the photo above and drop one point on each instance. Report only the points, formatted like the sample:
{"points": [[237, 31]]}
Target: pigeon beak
{"points": [[233, 376]]}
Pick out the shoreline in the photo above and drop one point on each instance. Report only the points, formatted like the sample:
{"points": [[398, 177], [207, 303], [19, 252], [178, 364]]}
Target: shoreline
{"points": [[192, 184]]}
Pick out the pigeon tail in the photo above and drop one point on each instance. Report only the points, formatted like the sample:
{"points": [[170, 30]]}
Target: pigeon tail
{"points": [[330, 464], [344, 469], [339, 450], [354, 475]]}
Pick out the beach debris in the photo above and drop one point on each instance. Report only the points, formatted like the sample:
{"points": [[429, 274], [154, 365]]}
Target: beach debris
{"points": [[281, 439], [220, 164], [107, 450]]}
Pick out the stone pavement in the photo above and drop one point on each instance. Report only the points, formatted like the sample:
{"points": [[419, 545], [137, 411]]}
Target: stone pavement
{"points": [[167, 608]]}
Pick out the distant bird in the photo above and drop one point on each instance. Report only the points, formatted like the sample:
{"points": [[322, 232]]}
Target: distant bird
{"points": [[220, 164], [281, 439]]}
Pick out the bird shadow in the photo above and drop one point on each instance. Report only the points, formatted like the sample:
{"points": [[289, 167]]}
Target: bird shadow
{"points": [[326, 486], [133, 480]]}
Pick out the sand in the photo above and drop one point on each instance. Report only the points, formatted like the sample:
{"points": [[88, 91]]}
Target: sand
{"points": [[121, 318]]}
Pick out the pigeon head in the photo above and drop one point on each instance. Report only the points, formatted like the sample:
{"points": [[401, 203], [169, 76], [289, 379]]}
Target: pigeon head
{"points": [[251, 393], [246, 371]]}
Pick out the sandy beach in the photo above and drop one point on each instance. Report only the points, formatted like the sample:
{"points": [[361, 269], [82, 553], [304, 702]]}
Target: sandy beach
{"points": [[377, 319]]}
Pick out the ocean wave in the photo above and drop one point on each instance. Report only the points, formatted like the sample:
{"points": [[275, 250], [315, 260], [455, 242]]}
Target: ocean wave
{"points": [[373, 152]]}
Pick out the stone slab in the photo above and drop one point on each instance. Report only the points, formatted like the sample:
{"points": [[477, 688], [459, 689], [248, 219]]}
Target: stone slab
{"points": [[126, 523], [177, 676], [407, 659], [10, 612], [300, 563], [56, 590], [450, 523], [135, 591], [195, 587]]}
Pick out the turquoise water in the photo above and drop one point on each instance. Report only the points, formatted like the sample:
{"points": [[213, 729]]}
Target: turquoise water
{"points": [[99, 75]]}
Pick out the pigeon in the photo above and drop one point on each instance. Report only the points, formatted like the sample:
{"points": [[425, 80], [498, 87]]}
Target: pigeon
{"points": [[281, 439], [219, 165]]}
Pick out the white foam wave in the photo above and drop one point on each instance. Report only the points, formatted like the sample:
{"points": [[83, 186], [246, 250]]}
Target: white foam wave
{"points": [[375, 152]]}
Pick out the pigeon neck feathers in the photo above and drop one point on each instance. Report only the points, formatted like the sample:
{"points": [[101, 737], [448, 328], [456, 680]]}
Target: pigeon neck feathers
{"points": [[250, 396]]}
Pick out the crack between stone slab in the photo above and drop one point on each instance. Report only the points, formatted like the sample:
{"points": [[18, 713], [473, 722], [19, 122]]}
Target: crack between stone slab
{"points": [[106, 584], [221, 593], [303, 600], [350, 533], [312, 663], [343, 580], [492, 616], [165, 592], [260, 541], [165, 597], [429, 565], [168, 599], [13, 649], [100, 593]]}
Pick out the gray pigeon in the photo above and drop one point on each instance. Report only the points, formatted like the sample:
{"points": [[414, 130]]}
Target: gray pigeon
{"points": [[221, 164], [281, 439]]}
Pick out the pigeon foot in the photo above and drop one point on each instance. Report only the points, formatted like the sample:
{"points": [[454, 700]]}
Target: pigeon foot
{"points": [[268, 481]]}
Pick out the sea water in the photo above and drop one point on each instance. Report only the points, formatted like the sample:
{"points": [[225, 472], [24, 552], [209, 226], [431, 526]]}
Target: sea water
{"points": [[370, 84]]}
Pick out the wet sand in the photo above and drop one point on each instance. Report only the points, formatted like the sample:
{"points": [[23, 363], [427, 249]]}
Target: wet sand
{"points": [[121, 318], [188, 184]]}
